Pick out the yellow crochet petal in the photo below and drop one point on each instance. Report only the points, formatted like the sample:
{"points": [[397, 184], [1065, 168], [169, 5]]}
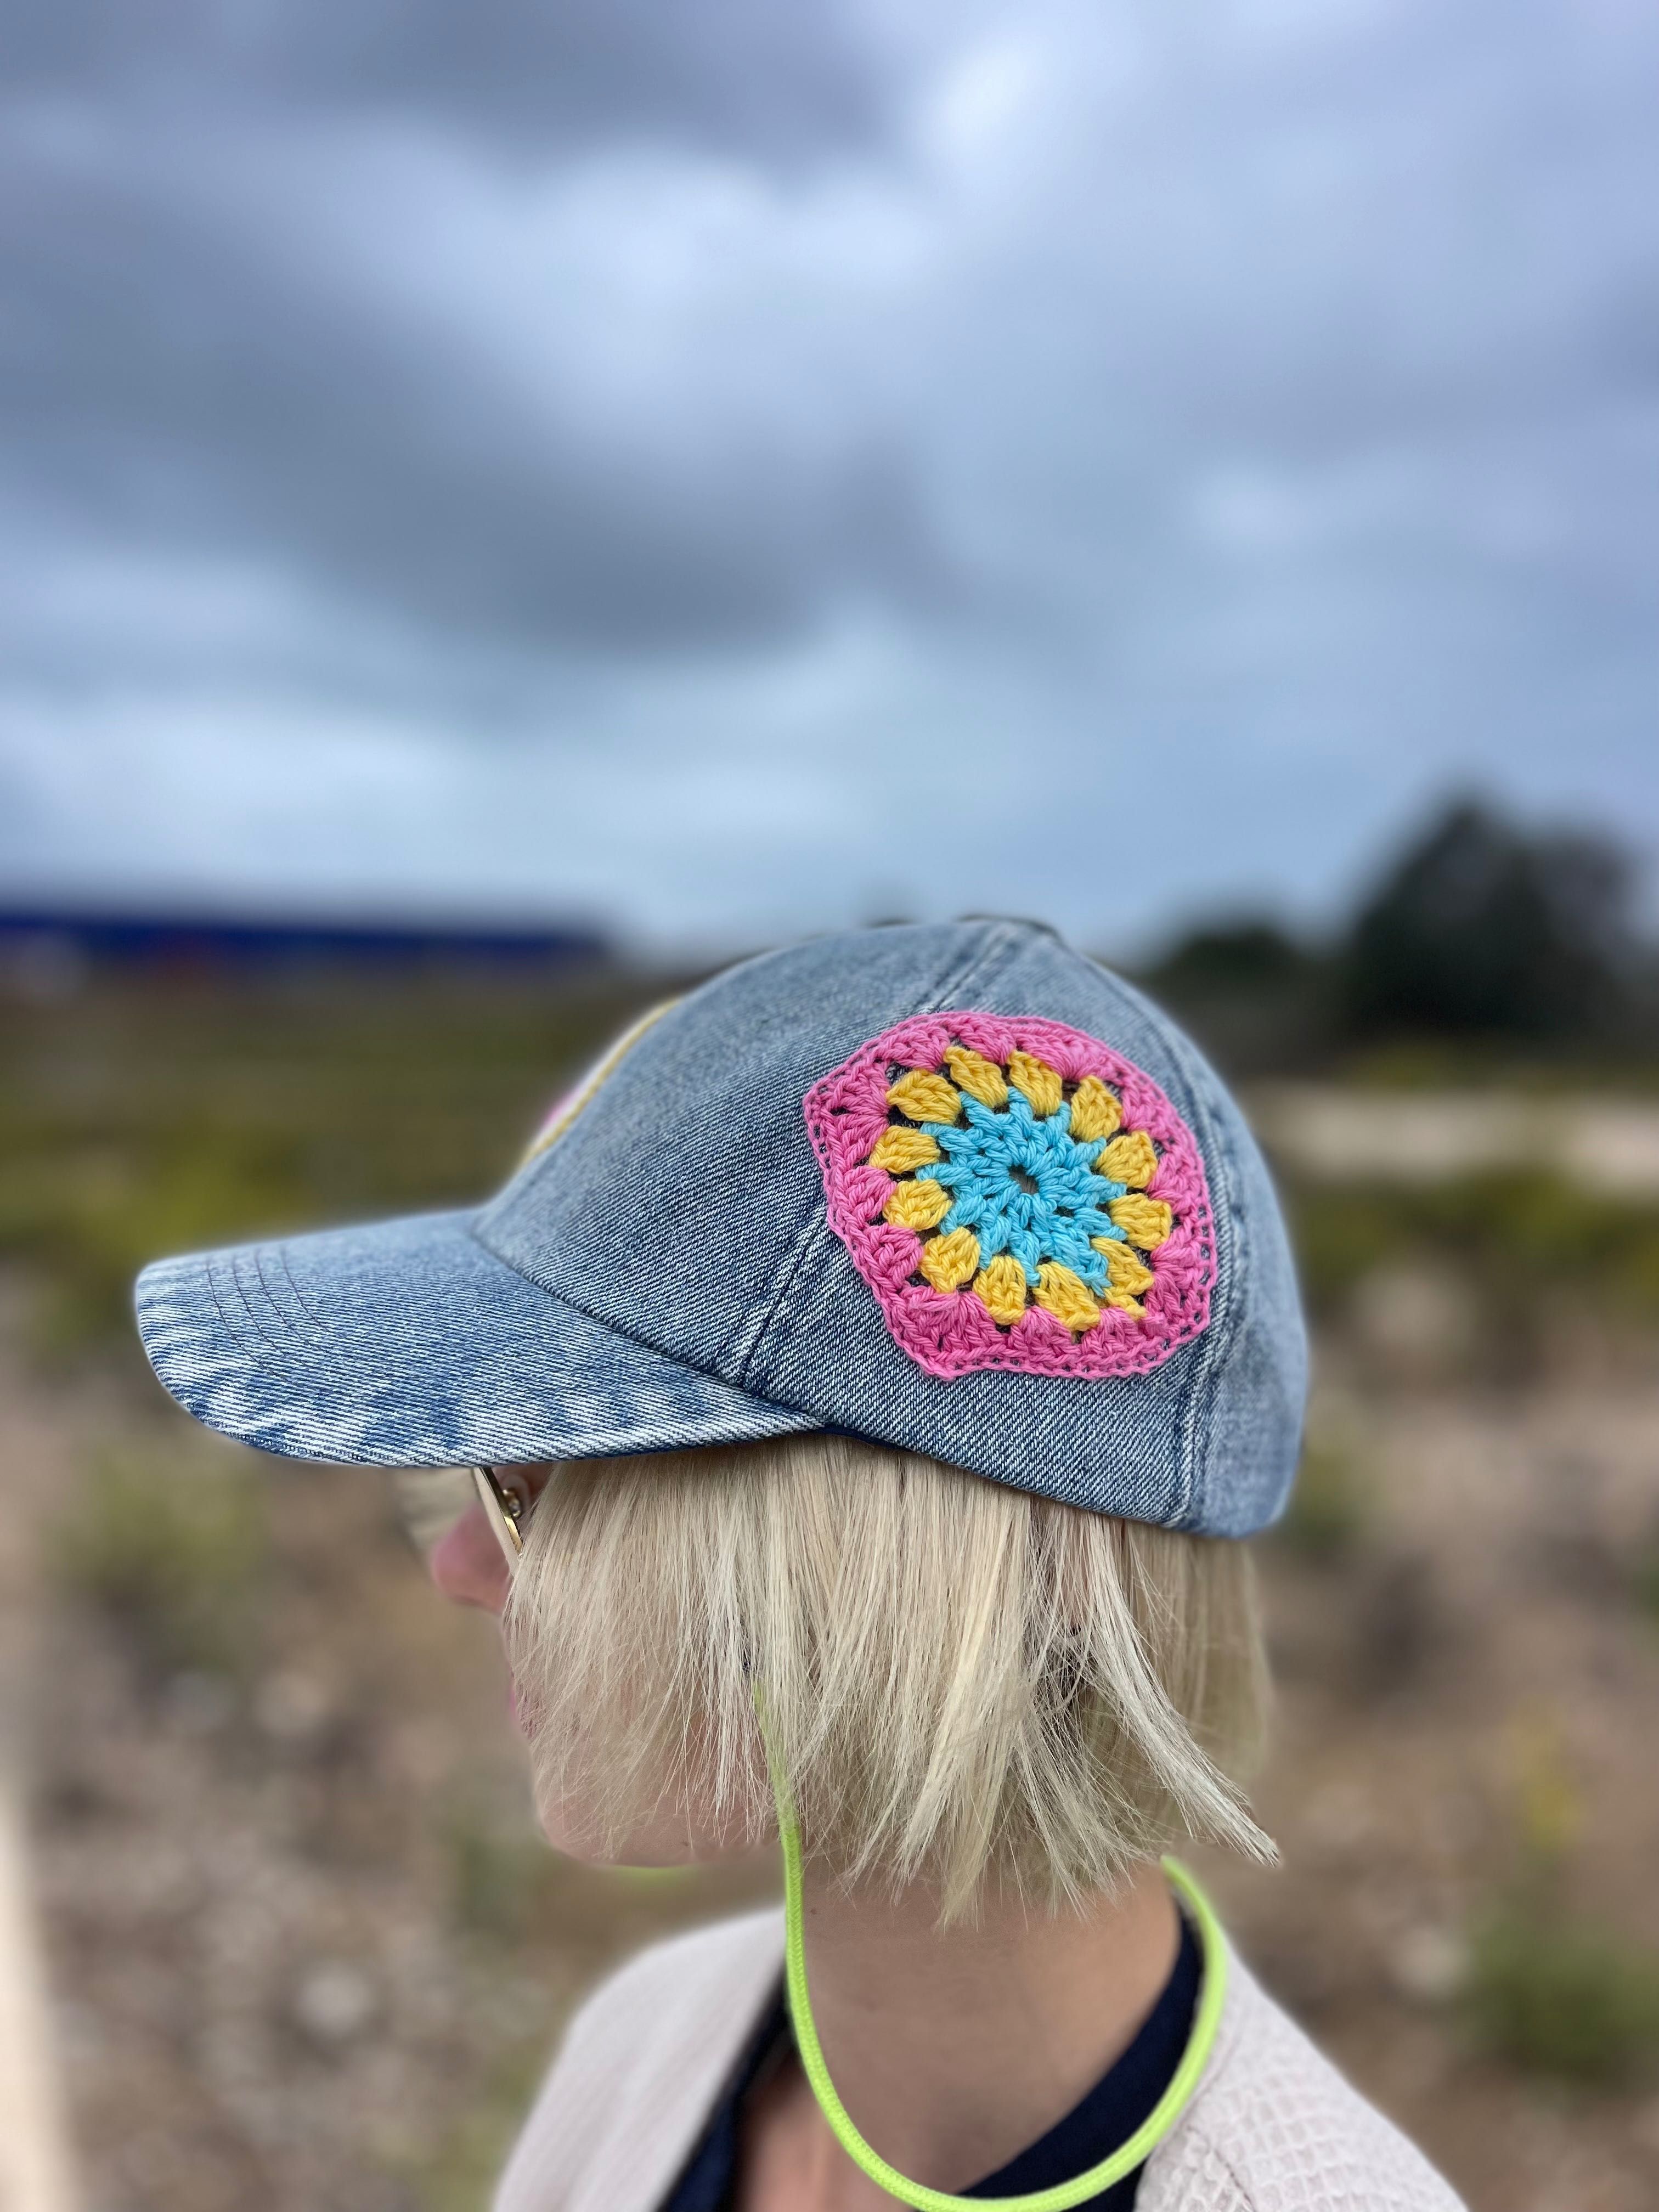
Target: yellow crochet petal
{"points": [[1039, 1082], [1125, 1303], [922, 1204], [979, 1078], [1094, 1111], [1144, 1221], [925, 1097], [899, 1150], [1129, 1160], [1067, 1297], [1129, 1273], [948, 1262], [1000, 1289]]}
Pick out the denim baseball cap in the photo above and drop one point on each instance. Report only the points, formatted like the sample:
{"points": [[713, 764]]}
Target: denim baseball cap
{"points": [[955, 1187]]}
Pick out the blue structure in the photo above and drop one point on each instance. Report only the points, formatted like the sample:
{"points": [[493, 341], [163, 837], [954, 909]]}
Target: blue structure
{"points": [[197, 942]]}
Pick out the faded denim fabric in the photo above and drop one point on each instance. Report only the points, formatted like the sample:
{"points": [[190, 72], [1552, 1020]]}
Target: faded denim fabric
{"points": [[663, 1273]]}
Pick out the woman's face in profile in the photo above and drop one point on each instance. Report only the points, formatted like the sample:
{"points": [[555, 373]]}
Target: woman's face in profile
{"points": [[469, 1567]]}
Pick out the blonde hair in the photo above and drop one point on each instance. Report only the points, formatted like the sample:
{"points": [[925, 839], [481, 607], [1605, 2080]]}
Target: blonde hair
{"points": [[961, 1683]]}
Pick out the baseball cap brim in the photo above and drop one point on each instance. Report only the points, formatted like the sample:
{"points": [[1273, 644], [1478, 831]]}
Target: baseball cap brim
{"points": [[407, 1344]]}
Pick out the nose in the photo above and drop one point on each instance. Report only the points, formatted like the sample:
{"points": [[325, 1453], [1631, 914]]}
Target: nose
{"points": [[467, 1566]]}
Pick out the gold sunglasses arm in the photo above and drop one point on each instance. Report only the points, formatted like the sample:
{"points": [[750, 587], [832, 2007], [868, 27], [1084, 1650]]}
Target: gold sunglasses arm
{"points": [[502, 1511]]}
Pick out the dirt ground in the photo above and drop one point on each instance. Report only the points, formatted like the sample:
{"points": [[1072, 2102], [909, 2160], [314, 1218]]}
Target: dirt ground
{"points": [[307, 1955]]}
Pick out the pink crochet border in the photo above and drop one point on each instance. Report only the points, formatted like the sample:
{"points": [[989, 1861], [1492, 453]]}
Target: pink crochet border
{"points": [[951, 1333]]}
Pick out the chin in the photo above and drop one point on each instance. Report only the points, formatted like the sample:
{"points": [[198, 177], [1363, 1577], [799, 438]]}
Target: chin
{"points": [[575, 1834]]}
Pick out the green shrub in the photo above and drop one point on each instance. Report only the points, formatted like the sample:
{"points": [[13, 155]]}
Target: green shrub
{"points": [[507, 1884], [499, 1878], [1529, 1248], [138, 1120], [173, 1553], [1563, 1999], [1330, 1506], [459, 2173]]}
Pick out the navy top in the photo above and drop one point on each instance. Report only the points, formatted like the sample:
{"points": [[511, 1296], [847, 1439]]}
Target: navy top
{"points": [[1107, 2116]]}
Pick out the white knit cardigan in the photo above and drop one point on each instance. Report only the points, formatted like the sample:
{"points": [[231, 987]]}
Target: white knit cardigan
{"points": [[1273, 2127]]}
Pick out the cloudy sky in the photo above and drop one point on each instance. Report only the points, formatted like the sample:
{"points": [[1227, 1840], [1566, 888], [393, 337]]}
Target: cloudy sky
{"points": [[731, 466]]}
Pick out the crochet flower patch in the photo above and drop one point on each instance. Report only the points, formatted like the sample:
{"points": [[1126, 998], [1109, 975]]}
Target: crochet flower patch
{"points": [[1017, 1195]]}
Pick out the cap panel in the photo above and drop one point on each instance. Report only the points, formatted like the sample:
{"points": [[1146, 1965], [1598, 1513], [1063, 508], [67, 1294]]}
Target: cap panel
{"points": [[1108, 1444], [1243, 1426], [1206, 1440], [673, 1205], [1237, 1428], [1111, 1443], [565, 1109]]}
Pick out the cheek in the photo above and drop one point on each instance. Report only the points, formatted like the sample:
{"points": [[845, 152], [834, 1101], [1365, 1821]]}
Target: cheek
{"points": [[571, 1755]]}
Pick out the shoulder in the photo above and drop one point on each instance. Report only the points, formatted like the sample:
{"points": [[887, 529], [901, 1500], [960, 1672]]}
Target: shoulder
{"points": [[1274, 2127], [640, 2066]]}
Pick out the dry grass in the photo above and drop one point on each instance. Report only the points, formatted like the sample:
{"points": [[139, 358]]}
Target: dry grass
{"points": [[307, 1956]]}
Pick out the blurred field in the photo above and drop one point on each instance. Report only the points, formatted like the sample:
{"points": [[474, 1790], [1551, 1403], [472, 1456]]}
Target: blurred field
{"points": [[306, 1953]]}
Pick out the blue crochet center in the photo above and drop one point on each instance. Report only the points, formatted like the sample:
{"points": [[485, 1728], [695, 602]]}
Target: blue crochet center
{"points": [[1026, 1186]]}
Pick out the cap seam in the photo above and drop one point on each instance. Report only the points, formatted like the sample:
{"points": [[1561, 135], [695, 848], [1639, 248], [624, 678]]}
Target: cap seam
{"points": [[1199, 1396], [281, 1356], [1216, 1342], [324, 1328], [993, 949], [250, 1257], [268, 1343], [616, 1329], [251, 1344], [319, 1349], [1213, 1345]]}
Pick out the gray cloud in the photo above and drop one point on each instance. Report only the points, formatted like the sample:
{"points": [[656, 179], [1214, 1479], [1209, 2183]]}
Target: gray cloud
{"points": [[174, 375], [758, 77], [833, 461]]}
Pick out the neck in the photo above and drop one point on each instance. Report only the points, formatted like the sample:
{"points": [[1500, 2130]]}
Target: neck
{"points": [[954, 2050]]}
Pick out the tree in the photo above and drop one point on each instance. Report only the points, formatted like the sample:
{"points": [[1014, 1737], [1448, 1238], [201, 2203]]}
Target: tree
{"points": [[1252, 995], [1481, 930]]}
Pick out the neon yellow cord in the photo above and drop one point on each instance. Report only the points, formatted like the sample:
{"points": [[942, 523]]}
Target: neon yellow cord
{"points": [[1151, 2131]]}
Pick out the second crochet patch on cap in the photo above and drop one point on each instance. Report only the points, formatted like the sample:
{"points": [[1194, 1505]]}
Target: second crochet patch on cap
{"points": [[1017, 1195]]}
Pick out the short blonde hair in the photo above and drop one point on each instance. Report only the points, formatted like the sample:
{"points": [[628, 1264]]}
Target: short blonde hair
{"points": [[962, 1683]]}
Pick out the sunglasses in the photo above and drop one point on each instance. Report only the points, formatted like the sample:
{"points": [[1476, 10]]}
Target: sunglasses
{"points": [[430, 1500]]}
